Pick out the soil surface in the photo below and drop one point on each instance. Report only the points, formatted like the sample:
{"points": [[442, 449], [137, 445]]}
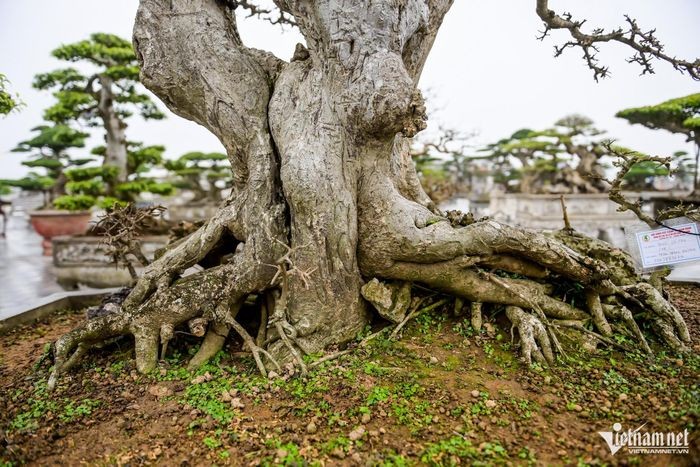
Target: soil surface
{"points": [[441, 395]]}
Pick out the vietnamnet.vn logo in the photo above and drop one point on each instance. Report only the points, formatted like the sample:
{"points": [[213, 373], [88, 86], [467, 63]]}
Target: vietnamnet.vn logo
{"points": [[645, 442]]}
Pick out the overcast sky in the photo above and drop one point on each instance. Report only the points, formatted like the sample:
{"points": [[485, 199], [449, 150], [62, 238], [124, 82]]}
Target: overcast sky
{"points": [[487, 72]]}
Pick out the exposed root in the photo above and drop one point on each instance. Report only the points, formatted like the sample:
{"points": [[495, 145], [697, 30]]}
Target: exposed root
{"points": [[622, 313], [534, 340], [476, 319], [213, 342], [596, 310], [258, 352], [458, 308], [664, 316]]}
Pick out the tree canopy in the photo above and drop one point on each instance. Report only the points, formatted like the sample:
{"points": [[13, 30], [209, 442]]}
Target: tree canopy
{"points": [[204, 174], [49, 158], [680, 115], [78, 94], [562, 159]]}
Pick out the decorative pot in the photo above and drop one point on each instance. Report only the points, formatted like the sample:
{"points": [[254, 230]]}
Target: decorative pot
{"points": [[51, 224]]}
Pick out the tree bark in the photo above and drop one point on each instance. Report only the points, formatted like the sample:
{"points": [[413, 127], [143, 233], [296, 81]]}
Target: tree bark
{"points": [[115, 136]]}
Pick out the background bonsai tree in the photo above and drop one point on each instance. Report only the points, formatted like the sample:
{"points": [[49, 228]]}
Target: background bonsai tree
{"points": [[203, 174], [566, 158], [681, 115], [89, 186], [49, 160], [105, 97], [326, 199]]}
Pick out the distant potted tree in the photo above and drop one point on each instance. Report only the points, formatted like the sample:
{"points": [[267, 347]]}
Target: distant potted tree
{"points": [[84, 259], [205, 176], [105, 97], [49, 161]]}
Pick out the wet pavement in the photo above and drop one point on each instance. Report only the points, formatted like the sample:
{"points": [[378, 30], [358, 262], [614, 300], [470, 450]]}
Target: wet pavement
{"points": [[25, 275]]}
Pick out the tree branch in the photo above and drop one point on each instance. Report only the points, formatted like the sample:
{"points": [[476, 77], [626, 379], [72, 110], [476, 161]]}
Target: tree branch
{"points": [[646, 45]]}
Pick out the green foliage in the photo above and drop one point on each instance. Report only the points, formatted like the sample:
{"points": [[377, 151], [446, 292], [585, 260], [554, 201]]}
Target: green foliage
{"points": [[680, 115], [51, 141], [74, 202], [86, 187], [640, 174], [32, 182], [8, 102], [105, 172], [73, 411], [40, 403], [204, 174], [535, 161], [108, 202], [450, 450], [49, 152], [96, 181], [115, 73], [142, 158], [130, 189]]}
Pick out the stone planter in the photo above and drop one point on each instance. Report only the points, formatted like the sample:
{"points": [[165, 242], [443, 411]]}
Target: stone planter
{"points": [[191, 212], [82, 260], [591, 214], [50, 224]]}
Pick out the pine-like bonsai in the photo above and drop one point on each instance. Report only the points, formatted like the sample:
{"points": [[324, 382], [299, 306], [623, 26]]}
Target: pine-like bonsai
{"points": [[105, 98], [680, 115], [203, 174], [49, 160]]}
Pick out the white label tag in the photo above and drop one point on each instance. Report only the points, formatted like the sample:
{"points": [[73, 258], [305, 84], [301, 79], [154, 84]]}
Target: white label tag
{"points": [[664, 246]]}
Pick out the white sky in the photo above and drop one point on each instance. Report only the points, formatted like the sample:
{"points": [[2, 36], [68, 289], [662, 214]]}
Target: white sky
{"points": [[487, 72]]}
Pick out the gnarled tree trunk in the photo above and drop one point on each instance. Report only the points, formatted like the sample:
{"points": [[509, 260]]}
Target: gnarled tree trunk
{"points": [[325, 194], [114, 126]]}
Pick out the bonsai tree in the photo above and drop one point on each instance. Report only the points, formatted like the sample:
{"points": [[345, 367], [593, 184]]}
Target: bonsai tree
{"points": [[105, 97], [563, 159], [89, 186], [203, 174], [326, 214], [49, 159], [681, 115], [8, 102]]}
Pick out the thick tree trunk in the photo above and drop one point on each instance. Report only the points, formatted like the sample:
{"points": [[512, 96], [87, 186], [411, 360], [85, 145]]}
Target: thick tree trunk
{"points": [[325, 194], [115, 136]]}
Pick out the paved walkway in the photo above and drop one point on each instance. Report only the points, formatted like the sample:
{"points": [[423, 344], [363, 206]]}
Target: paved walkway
{"points": [[25, 275]]}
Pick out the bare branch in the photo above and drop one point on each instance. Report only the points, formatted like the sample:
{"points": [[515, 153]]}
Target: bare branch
{"points": [[276, 17], [646, 45], [626, 160], [121, 227]]}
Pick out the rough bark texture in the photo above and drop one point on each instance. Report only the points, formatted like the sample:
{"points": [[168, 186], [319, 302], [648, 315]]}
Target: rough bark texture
{"points": [[325, 195], [114, 126]]}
